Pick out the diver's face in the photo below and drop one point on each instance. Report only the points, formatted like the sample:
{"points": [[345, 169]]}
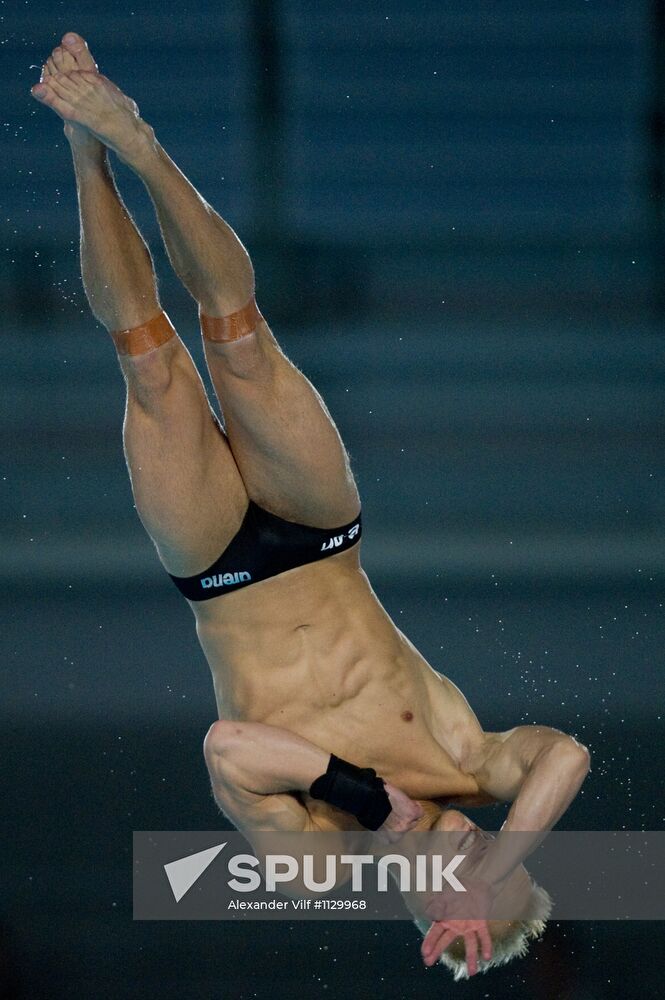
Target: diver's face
{"points": [[474, 842]]}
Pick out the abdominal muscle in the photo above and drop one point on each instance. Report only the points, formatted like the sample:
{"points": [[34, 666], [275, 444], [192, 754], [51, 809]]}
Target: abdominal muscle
{"points": [[314, 652]]}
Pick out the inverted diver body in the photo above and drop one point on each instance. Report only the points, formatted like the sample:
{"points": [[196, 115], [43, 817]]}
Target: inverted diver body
{"points": [[306, 663]]}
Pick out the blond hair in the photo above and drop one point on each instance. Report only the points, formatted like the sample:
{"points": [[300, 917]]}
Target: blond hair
{"points": [[514, 943]]}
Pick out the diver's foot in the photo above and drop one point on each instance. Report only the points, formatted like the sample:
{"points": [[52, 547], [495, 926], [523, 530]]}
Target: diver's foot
{"points": [[73, 54], [88, 99]]}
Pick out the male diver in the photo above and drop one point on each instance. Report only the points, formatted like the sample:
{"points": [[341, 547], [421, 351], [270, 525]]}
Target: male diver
{"points": [[329, 718]]}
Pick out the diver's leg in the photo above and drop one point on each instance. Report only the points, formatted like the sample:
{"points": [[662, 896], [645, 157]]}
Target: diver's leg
{"points": [[283, 439], [187, 487]]}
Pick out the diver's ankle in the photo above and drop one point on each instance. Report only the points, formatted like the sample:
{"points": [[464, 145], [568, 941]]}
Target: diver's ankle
{"points": [[141, 152]]}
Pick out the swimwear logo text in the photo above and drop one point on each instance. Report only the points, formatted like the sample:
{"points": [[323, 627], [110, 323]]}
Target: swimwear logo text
{"points": [[225, 579], [337, 540]]}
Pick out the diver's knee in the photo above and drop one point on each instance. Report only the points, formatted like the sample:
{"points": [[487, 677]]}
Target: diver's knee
{"points": [[240, 344], [154, 379], [253, 357], [149, 355]]}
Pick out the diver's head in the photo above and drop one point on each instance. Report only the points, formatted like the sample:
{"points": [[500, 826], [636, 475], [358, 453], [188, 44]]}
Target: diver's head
{"points": [[519, 895]]}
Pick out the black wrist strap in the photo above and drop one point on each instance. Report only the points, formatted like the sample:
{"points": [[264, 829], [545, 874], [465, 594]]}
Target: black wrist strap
{"points": [[356, 790]]}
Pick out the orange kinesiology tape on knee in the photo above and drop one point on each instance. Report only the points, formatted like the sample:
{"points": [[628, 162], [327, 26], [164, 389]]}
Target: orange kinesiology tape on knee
{"points": [[141, 339], [232, 327]]}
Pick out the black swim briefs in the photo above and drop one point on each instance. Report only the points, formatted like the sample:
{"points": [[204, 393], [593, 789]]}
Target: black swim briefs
{"points": [[265, 546]]}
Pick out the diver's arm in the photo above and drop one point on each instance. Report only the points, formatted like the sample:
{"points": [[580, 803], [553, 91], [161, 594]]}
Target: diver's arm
{"points": [[263, 760], [541, 771]]}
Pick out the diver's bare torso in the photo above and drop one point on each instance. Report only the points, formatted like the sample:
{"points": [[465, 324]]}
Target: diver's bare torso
{"points": [[314, 652]]}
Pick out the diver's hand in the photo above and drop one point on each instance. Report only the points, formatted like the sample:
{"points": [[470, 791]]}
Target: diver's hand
{"points": [[465, 915], [404, 816], [442, 933]]}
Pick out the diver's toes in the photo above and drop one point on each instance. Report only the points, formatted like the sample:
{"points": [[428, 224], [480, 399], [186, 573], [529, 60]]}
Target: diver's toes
{"points": [[73, 41], [78, 49], [64, 60]]}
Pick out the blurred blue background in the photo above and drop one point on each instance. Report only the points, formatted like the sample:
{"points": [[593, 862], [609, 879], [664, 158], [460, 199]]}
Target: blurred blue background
{"points": [[456, 217]]}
